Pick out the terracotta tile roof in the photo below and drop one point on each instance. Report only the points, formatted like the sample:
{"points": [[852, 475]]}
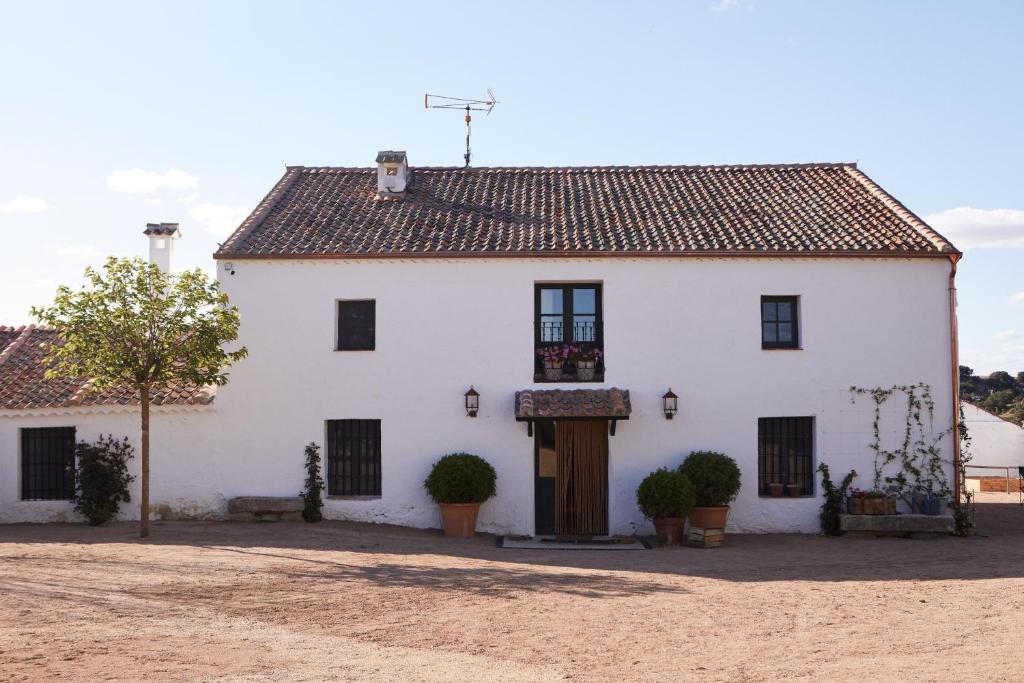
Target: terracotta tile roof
{"points": [[23, 386], [545, 403], [652, 210]]}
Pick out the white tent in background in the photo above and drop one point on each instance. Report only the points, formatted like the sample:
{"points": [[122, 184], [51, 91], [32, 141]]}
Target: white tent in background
{"points": [[994, 442]]}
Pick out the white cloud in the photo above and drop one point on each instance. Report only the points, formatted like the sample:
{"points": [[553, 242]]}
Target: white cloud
{"points": [[1017, 298], [1005, 335], [23, 204], [78, 251], [968, 227], [220, 220], [140, 181], [723, 5], [45, 283]]}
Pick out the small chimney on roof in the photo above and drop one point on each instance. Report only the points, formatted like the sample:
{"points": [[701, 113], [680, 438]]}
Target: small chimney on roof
{"points": [[161, 243], [392, 174]]}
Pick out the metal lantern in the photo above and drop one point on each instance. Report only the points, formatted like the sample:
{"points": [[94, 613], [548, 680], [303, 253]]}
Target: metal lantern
{"points": [[472, 402], [670, 402]]}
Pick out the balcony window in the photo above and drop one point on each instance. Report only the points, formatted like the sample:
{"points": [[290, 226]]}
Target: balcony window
{"points": [[568, 316]]}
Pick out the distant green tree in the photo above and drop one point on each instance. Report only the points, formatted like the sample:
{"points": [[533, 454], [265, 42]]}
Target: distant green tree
{"points": [[1000, 380], [134, 325], [998, 402]]}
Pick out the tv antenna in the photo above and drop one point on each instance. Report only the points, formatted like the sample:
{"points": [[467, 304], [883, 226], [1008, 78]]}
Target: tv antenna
{"points": [[444, 102]]}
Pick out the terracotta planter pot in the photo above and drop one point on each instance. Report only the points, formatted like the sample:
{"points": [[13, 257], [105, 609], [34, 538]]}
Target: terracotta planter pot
{"points": [[794, 490], [775, 490], [670, 530], [459, 519], [585, 370], [709, 517], [552, 371], [856, 506]]}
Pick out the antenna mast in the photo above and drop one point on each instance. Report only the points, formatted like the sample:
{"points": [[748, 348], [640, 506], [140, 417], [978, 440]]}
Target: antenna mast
{"points": [[444, 102]]}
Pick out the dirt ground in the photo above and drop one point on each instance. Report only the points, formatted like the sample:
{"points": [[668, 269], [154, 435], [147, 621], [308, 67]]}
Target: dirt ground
{"points": [[341, 601]]}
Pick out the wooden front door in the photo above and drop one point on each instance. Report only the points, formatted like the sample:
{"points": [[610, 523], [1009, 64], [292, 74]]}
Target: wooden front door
{"points": [[572, 478]]}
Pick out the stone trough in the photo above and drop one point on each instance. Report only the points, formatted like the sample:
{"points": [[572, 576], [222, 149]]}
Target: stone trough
{"points": [[903, 525], [265, 509]]}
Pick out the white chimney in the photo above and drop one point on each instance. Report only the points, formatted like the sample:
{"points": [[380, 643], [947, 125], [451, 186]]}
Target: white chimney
{"points": [[392, 174], [161, 243]]}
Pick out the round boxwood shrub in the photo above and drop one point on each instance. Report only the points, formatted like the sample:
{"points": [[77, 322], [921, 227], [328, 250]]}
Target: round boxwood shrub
{"points": [[715, 477], [461, 478], [665, 493]]}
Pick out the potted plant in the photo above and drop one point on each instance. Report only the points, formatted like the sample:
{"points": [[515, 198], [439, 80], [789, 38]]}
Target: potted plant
{"points": [[794, 490], [553, 359], [775, 489], [459, 483], [666, 496], [716, 481], [586, 360]]}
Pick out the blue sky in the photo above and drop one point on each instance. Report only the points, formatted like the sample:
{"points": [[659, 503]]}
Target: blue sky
{"points": [[115, 114]]}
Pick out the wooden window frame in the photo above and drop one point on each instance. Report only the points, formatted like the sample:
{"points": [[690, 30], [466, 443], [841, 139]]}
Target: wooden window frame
{"points": [[794, 302], [795, 433], [42, 449], [342, 478], [338, 318], [569, 374]]}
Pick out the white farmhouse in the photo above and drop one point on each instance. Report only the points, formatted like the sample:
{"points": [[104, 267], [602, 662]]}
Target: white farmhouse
{"points": [[373, 299]]}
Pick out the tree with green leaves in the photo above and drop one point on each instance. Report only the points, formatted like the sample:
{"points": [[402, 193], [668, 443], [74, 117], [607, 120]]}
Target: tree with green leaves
{"points": [[135, 325]]}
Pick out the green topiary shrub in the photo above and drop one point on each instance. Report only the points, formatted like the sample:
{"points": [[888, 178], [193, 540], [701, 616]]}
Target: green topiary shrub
{"points": [[665, 493], [715, 477], [461, 478], [313, 501], [101, 478]]}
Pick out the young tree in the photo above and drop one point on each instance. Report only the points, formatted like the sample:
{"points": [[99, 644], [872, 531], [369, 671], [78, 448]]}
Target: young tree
{"points": [[135, 325]]}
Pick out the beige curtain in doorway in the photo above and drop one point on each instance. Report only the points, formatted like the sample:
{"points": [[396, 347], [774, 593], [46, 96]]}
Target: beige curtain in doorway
{"points": [[581, 480]]}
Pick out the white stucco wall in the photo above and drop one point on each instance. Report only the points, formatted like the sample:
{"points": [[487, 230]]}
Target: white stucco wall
{"points": [[442, 325], [185, 482], [689, 324]]}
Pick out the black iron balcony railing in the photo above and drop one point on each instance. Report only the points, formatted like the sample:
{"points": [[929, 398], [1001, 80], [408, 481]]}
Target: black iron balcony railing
{"points": [[586, 337]]}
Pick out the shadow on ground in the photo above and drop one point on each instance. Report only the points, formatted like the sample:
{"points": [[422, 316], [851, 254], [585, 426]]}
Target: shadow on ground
{"points": [[996, 551]]}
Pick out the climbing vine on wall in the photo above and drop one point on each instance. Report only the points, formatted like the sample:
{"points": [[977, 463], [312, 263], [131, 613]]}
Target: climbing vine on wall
{"points": [[917, 456]]}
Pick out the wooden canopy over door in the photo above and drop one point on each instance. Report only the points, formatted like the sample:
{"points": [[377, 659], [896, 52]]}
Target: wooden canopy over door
{"points": [[581, 499]]}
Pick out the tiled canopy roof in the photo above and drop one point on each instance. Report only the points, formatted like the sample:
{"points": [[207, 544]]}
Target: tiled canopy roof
{"points": [[653, 210], [23, 386], [553, 403]]}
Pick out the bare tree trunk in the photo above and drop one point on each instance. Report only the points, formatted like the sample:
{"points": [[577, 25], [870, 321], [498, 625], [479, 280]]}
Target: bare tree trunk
{"points": [[144, 497]]}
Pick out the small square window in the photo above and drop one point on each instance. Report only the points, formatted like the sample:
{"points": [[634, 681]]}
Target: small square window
{"points": [[357, 323], [391, 170], [779, 326]]}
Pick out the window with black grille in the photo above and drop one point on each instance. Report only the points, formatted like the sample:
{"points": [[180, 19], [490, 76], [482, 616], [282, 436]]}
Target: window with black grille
{"points": [[785, 454], [353, 457], [779, 327], [47, 463], [357, 321], [569, 316]]}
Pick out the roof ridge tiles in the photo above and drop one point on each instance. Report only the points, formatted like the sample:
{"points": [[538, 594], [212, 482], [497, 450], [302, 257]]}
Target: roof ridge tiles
{"points": [[24, 332]]}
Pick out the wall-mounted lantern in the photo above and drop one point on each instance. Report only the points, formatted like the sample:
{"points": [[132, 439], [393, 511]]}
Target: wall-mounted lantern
{"points": [[472, 402], [670, 402]]}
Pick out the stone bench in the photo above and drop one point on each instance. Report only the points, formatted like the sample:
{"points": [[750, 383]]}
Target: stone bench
{"points": [[265, 509], [897, 524]]}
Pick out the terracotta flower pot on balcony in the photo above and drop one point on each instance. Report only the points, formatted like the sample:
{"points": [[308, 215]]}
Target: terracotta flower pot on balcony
{"points": [[552, 371], [775, 490], [670, 530], [794, 490], [459, 519], [709, 517], [585, 370]]}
